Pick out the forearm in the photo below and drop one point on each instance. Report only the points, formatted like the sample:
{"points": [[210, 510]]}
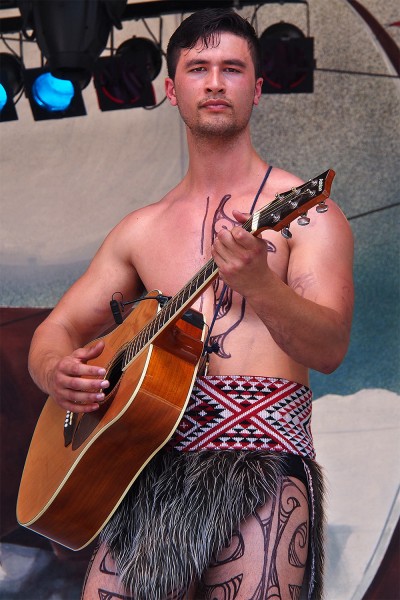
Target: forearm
{"points": [[50, 343], [313, 335]]}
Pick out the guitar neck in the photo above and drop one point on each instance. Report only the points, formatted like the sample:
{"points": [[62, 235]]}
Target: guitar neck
{"points": [[172, 310]]}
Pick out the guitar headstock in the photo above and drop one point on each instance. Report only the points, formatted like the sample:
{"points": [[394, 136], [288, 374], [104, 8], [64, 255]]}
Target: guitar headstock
{"points": [[295, 203]]}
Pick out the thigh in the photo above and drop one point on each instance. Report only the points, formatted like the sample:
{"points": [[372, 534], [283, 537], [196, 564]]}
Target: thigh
{"points": [[102, 581], [266, 557]]}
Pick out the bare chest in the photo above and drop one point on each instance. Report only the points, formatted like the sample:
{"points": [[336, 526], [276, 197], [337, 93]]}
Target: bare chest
{"points": [[181, 248]]}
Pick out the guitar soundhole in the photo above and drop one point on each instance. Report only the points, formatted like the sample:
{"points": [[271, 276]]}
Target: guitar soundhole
{"points": [[89, 421], [114, 373]]}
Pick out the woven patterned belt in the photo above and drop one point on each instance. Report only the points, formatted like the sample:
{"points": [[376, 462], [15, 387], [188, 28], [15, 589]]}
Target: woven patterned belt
{"points": [[246, 413]]}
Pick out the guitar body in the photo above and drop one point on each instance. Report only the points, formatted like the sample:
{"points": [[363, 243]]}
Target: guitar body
{"points": [[69, 492]]}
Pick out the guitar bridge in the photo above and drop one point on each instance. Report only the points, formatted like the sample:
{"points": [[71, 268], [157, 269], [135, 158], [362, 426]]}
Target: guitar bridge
{"points": [[70, 422]]}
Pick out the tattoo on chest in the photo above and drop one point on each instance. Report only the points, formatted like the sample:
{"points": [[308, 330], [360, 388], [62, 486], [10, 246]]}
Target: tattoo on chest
{"points": [[222, 220]]}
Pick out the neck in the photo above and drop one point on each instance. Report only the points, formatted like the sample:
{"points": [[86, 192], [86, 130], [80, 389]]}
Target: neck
{"points": [[224, 161]]}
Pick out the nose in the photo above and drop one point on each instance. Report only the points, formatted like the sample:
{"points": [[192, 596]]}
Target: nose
{"points": [[215, 81]]}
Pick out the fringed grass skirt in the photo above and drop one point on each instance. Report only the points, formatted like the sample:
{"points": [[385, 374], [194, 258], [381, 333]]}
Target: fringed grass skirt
{"points": [[184, 507]]}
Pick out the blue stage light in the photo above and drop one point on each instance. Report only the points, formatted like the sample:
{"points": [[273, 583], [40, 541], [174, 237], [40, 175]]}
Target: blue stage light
{"points": [[11, 84], [51, 93], [3, 97]]}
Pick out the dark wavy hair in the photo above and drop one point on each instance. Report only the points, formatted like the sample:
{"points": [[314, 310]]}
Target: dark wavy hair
{"points": [[206, 26]]}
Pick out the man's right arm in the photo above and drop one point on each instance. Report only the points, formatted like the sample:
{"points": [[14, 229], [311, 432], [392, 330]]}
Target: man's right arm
{"points": [[61, 371], [58, 356]]}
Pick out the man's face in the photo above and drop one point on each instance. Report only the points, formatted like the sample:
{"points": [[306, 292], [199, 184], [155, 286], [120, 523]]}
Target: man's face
{"points": [[215, 88]]}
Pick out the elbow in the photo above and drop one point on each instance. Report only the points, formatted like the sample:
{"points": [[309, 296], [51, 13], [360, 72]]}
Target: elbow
{"points": [[333, 357], [329, 367]]}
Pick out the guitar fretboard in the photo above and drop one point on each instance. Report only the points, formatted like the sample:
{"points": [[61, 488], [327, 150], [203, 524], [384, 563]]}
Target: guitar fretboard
{"points": [[171, 311]]}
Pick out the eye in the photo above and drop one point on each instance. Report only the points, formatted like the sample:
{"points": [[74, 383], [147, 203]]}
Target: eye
{"points": [[232, 70]]}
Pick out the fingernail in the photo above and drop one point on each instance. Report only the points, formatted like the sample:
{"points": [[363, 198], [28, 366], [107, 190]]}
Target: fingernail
{"points": [[100, 397], [104, 384], [101, 372]]}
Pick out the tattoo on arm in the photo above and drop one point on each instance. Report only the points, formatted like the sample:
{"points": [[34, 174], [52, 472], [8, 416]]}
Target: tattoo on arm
{"points": [[302, 283]]}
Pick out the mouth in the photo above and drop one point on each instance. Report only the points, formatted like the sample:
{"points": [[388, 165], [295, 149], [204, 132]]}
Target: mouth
{"points": [[215, 104]]}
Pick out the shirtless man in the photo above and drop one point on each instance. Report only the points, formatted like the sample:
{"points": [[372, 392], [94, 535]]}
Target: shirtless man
{"points": [[288, 308]]}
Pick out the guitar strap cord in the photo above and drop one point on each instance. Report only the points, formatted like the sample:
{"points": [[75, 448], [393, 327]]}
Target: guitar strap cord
{"points": [[116, 305], [117, 308]]}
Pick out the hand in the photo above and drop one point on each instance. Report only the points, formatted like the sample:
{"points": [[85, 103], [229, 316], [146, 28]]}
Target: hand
{"points": [[77, 386], [241, 257]]}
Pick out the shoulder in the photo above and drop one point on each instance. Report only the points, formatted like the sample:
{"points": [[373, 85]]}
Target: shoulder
{"points": [[138, 224], [281, 181]]}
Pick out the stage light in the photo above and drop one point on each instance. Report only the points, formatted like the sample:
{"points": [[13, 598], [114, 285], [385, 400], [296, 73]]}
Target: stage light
{"points": [[3, 96], [72, 33], [51, 93], [52, 98], [11, 83], [124, 80], [287, 60]]}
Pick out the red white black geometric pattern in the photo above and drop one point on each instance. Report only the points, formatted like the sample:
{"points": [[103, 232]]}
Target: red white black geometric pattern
{"points": [[246, 413]]}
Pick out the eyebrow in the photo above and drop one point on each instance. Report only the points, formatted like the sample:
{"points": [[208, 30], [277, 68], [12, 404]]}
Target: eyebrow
{"points": [[236, 62]]}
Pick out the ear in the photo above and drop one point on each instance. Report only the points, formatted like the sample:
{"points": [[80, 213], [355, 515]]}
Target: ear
{"points": [[257, 91], [170, 91]]}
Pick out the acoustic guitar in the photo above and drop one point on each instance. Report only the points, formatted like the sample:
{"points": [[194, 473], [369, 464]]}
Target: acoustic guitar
{"points": [[80, 466]]}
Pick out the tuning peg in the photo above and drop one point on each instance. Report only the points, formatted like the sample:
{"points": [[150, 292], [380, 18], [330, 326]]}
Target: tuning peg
{"points": [[275, 217], [322, 207], [303, 219], [286, 233]]}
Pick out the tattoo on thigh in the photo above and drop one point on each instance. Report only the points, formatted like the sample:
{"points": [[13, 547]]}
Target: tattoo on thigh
{"points": [[290, 501], [228, 590], [107, 595], [235, 550], [107, 568], [94, 553], [277, 542], [295, 591], [265, 524], [299, 541]]}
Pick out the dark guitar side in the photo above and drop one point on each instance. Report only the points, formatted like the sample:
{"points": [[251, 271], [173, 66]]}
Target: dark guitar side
{"points": [[69, 493]]}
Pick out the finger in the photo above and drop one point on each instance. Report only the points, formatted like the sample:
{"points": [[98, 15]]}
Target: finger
{"points": [[229, 243], [86, 386], [89, 352], [73, 366], [77, 406], [81, 401], [68, 388], [239, 216]]}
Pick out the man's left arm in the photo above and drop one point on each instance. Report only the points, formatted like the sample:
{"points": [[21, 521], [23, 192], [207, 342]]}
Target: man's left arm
{"points": [[309, 316]]}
